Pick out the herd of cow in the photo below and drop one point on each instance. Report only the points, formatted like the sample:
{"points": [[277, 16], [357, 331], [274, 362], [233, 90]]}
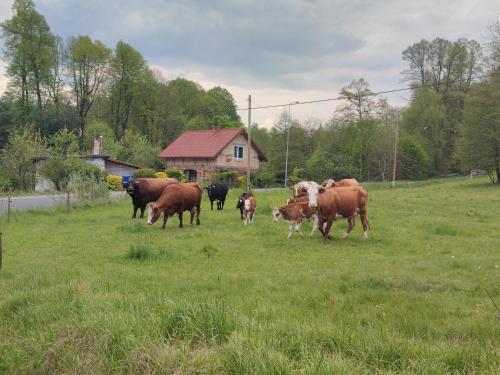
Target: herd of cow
{"points": [[322, 204]]}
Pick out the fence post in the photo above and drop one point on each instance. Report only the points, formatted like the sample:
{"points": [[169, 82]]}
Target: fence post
{"points": [[67, 201], [1, 250], [8, 209]]}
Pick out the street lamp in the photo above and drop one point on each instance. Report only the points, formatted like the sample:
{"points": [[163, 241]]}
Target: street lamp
{"points": [[287, 129]]}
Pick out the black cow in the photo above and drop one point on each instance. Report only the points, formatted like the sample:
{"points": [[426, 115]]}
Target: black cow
{"points": [[219, 192], [241, 202], [145, 190]]}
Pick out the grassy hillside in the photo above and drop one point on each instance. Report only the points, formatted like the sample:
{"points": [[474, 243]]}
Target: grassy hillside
{"points": [[91, 291]]}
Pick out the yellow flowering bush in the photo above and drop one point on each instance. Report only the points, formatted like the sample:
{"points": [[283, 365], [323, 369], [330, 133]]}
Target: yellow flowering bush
{"points": [[160, 175], [114, 182]]}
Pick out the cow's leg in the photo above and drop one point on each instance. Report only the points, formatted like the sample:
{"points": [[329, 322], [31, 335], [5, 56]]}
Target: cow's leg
{"points": [[198, 208], [251, 216], [211, 204], [350, 225], [241, 213], [245, 220], [290, 229], [326, 235], [135, 212], [222, 203], [315, 225], [192, 212], [364, 221], [297, 229], [142, 211], [180, 213], [165, 218], [321, 226]]}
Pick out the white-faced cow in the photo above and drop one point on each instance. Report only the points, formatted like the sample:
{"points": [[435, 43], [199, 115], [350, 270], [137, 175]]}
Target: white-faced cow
{"points": [[217, 192], [342, 202], [175, 199], [249, 206], [295, 212], [146, 190], [309, 189]]}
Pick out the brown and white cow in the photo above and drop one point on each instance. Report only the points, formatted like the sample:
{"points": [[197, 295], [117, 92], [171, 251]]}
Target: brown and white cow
{"points": [[175, 199], [295, 213], [310, 189], [342, 202], [249, 206]]}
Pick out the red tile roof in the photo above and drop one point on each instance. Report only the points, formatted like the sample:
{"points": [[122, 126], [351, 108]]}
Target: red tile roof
{"points": [[204, 143]]}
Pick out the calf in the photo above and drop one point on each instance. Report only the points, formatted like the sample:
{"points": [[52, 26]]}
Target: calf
{"points": [[175, 199], [295, 214], [341, 183], [146, 190], [217, 192], [250, 205], [342, 202], [241, 202]]}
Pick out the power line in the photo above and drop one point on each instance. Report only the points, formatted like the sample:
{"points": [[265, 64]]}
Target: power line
{"points": [[371, 93], [167, 115]]}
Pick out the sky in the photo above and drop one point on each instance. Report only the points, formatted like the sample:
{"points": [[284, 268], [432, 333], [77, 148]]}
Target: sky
{"points": [[277, 51]]}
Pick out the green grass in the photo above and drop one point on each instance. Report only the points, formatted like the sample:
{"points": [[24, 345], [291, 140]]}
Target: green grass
{"points": [[91, 291]]}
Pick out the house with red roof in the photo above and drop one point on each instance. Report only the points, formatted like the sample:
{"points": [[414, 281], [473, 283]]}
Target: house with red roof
{"points": [[199, 153]]}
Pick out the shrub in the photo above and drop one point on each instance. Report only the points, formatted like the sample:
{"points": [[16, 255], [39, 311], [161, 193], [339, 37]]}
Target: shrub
{"points": [[226, 177], [5, 184], [89, 183], [241, 182], [263, 179], [412, 160], [144, 173], [160, 175], [114, 182], [175, 173]]}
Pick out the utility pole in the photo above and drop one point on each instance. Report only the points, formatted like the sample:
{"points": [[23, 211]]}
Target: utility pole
{"points": [[287, 129], [396, 136], [249, 143]]}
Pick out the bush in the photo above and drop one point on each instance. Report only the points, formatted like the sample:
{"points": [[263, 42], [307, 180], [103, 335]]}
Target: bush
{"points": [[89, 183], [226, 177], [176, 173], [160, 175], [144, 173], [5, 184], [114, 182], [412, 160], [263, 179]]}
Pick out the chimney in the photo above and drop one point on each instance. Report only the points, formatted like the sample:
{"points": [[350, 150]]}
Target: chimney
{"points": [[97, 144]]}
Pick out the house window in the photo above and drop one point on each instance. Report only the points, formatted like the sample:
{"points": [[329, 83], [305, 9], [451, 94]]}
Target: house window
{"points": [[238, 151]]}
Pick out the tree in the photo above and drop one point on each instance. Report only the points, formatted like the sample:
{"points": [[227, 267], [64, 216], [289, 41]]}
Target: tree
{"points": [[28, 52], [425, 119], [411, 160], [479, 142], [127, 70], [494, 44], [359, 101], [16, 160], [227, 102], [63, 142], [87, 63]]}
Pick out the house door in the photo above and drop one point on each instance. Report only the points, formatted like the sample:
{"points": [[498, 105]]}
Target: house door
{"points": [[191, 174]]}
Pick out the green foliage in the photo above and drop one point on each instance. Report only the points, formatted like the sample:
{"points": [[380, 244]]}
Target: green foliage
{"points": [[5, 184], [16, 160], [176, 173], [263, 179], [59, 169], [109, 145], [140, 252], [412, 160], [64, 142], [479, 143], [88, 183], [144, 173], [136, 149], [225, 177]]}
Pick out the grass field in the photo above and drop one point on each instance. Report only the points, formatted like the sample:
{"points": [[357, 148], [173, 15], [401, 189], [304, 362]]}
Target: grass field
{"points": [[91, 291]]}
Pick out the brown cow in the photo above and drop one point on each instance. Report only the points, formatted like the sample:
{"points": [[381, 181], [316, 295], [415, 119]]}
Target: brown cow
{"points": [[175, 199], [249, 206], [146, 190], [295, 214], [344, 182], [340, 202]]}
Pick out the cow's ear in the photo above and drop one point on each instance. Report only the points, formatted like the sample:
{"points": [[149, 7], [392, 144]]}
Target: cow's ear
{"points": [[321, 189]]}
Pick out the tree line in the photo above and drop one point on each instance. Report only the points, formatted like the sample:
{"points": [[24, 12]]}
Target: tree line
{"points": [[61, 93]]}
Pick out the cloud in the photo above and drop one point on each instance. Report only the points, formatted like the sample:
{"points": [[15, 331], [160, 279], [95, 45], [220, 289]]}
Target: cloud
{"points": [[279, 51]]}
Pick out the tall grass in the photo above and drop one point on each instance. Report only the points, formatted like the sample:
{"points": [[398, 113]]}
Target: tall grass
{"points": [[90, 291]]}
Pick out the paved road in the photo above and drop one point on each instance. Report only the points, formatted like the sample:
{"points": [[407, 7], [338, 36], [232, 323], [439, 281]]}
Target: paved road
{"points": [[44, 201]]}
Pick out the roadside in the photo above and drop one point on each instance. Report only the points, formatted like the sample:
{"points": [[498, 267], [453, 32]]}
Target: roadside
{"points": [[24, 203]]}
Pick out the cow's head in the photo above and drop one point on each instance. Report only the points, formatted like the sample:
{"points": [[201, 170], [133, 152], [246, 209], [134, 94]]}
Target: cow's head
{"points": [[276, 214], [153, 213], [241, 201], [309, 188], [210, 188], [131, 187]]}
